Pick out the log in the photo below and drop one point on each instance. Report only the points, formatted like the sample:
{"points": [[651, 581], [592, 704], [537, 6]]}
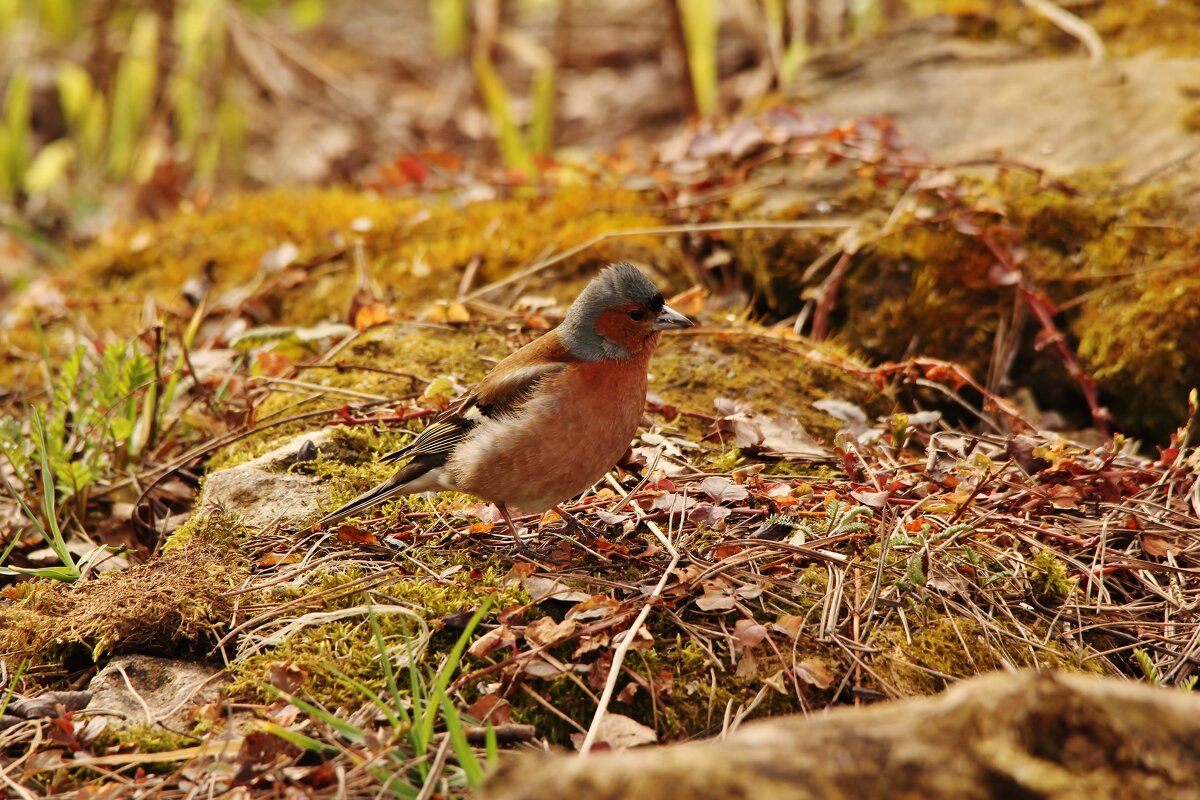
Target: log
{"points": [[1027, 736]]}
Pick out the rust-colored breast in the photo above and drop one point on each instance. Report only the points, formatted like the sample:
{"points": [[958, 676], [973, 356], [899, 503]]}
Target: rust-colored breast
{"points": [[572, 429]]}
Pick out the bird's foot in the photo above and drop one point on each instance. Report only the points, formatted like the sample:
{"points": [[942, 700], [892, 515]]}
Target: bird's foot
{"points": [[529, 554], [578, 528]]}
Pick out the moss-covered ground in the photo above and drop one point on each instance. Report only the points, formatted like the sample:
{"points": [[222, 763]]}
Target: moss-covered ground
{"points": [[890, 563]]}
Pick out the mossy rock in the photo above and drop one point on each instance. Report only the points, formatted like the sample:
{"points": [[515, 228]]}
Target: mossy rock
{"points": [[1112, 261]]}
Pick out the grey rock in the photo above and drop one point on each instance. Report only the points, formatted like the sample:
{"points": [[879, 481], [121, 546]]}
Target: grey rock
{"points": [[263, 492], [159, 691]]}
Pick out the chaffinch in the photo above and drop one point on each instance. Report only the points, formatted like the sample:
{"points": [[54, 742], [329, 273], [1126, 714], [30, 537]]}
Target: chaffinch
{"points": [[551, 419]]}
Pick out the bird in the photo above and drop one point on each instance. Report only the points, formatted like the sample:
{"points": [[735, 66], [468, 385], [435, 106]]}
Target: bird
{"points": [[549, 420]]}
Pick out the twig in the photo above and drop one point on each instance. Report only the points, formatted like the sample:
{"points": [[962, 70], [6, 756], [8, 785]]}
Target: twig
{"points": [[614, 670], [660, 230], [1069, 23], [435, 770]]}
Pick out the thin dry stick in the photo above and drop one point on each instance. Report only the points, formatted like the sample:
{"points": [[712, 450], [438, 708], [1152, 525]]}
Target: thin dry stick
{"points": [[435, 771], [1073, 25], [615, 670], [661, 230]]}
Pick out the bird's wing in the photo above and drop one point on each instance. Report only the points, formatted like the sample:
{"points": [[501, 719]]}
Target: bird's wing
{"points": [[501, 393]]}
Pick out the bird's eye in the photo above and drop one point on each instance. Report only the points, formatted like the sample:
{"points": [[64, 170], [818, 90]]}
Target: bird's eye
{"points": [[637, 315]]}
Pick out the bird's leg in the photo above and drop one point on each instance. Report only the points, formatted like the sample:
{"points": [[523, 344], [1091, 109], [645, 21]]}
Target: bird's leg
{"points": [[522, 548]]}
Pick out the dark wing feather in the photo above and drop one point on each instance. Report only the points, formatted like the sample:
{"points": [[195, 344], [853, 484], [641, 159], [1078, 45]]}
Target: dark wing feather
{"points": [[499, 394], [392, 487], [439, 439]]}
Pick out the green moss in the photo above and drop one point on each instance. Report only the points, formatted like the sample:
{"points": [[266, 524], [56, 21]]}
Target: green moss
{"points": [[207, 530], [726, 461], [743, 364], [693, 691], [1127, 28], [143, 738], [1052, 577], [411, 355], [945, 649], [350, 645], [1114, 261], [415, 249]]}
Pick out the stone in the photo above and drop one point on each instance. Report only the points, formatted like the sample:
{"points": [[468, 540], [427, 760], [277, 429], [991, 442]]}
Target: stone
{"points": [[160, 691]]}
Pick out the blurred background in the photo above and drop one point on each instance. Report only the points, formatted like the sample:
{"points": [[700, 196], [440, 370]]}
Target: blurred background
{"points": [[107, 103]]}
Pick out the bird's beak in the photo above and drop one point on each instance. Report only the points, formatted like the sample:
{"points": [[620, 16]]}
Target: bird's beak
{"points": [[670, 318]]}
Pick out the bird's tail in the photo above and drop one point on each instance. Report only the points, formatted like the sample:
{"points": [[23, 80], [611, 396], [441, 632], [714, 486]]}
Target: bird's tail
{"points": [[406, 481]]}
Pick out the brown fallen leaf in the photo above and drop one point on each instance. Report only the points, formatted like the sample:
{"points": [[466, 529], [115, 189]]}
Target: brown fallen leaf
{"points": [[789, 625], [287, 676], [626, 695], [596, 607], [370, 315], [491, 708], [1158, 546], [747, 666], [495, 639], [715, 598], [618, 732], [814, 672], [546, 631], [1065, 496], [541, 668], [870, 499], [542, 588], [589, 644], [747, 633], [722, 489], [355, 535], [642, 640]]}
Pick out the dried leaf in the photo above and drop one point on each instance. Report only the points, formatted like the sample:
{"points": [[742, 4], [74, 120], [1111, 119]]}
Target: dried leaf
{"points": [[596, 607], [814, 672], [1158, 546], [354, 535], [589, 644], [747, 666], [708, 515], [545, 631], [542, 588], [690, 303], [871, 499], [789, 625], [673, 503], [723, 490], [370, 315], [540, 668], [1065, 496], [287, 676], [747, 633], [495, 639], [715, 598], [617, 732], [642, 640]]}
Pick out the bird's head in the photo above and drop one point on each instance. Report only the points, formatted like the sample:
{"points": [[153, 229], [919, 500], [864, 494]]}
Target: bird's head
{"points": [[618, 315]]}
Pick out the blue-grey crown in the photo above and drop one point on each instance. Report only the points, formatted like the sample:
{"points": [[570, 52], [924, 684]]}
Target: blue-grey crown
{"points": [[616, 284]]}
